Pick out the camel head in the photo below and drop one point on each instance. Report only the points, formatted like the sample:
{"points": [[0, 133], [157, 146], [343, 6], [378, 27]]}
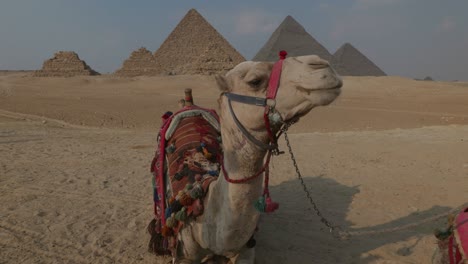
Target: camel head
{"points": [[306, 82]]}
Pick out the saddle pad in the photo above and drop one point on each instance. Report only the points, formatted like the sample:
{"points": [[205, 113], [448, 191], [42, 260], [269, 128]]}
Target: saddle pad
{"points": [[191, 113], [191, 154], [461, 232], [184, 165]]}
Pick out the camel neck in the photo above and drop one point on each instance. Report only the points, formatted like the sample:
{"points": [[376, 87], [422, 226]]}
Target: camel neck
{"points": [[242, 158]]}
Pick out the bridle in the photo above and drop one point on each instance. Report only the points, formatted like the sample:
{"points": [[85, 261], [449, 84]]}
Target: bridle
{"points": [[269, 104]]}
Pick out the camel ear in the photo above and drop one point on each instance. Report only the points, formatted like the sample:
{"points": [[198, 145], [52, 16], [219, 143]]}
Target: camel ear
{"points": [[222, 82]]}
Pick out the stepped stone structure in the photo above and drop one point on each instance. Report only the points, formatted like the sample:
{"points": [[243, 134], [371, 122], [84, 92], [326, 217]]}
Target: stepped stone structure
{"points": [[352, 62], [292, 37], [195, 47], [64, 64], [140, 63]]}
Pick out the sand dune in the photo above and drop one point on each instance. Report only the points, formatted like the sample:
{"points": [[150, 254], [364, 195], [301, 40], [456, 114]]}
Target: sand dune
{"points": [[75, 183]]}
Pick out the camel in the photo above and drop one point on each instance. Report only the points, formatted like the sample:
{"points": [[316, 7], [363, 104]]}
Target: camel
{"points": [[226, 228]]}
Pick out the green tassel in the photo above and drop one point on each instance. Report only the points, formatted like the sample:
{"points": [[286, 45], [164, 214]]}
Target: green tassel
{"points": [[444, 233], [196, 192], [181, 215], [171, 148], [171, 221], [260, 204]]}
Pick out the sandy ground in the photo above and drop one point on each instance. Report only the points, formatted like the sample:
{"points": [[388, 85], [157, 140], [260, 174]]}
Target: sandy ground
{"points": [[75, 183]]}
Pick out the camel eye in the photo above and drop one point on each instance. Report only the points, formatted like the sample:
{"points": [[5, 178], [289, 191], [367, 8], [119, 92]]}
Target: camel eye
{"points": [[255, 82]]}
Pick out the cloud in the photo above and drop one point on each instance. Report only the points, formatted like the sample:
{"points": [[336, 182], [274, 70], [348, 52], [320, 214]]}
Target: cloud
{"points": [[447, 24], [253, 22], [368, 4], [324, 5], [365, 26]]}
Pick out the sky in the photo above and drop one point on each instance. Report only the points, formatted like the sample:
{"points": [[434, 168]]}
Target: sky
{"points": [[409, 38]]}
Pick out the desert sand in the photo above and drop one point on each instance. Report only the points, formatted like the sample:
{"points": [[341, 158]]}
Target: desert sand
{"points": [[75, 154]]}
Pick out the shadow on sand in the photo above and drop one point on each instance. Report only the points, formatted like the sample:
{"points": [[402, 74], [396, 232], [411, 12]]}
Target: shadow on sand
{"points": [[294, 234]]}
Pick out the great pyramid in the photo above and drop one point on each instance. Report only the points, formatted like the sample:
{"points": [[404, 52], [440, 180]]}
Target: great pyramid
{"points": [[64, 64], [354, 63], [195, 47], [293, 38], [140, 63]]}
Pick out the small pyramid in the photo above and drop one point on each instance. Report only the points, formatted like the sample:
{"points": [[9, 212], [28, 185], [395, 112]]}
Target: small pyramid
{"points": [[350, 61], [293, 38], [192, 42], [140, 63], [64, 64]]}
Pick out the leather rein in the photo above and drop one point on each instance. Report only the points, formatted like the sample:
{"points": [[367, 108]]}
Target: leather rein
{"points": [[269, 104]]}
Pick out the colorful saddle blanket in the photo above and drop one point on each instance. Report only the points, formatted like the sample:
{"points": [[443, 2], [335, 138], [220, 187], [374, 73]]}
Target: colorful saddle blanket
{"points": [[461, 234], [185, 163], [453, 240]]}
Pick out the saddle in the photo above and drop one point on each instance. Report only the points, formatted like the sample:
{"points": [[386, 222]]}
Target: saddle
{"points": [[453, 241], [185, 163]]}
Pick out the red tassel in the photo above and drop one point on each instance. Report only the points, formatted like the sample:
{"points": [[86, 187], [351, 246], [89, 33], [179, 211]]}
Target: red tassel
{"points": [[283, 54], [185, 199], [270, 205]]}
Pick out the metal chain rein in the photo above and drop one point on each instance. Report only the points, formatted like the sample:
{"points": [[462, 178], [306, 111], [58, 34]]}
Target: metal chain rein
{"points": [[336, 230], [327, 223]]}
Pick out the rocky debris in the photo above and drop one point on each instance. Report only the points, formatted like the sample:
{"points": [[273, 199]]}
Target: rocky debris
{"points": [[195, 47], [140, 63], [64, 64], [350, 61]]}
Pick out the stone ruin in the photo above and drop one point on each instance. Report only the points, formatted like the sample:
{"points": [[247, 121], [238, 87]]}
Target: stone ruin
{"points": [[140, 63], [195, 47], [353, 63], [292, 37], [64, 64]]}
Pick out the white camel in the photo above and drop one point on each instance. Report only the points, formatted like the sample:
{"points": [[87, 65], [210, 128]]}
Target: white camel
{"points": [[230, 219]]}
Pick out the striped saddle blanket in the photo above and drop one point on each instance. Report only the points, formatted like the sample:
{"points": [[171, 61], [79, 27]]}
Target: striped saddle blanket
{"points": [[185, 163], [453, 241]]}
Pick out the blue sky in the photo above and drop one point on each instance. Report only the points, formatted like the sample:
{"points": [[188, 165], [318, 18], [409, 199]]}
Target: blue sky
{"points": [[411, 38]]}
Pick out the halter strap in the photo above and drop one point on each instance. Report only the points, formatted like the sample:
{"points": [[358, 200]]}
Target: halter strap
{"points": [[247, 134], [268, 103], [275, 76], [245, 99]]}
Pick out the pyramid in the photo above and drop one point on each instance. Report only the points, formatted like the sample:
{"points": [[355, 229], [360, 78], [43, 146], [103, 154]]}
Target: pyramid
{"points": [[293, 38], [193, 43], [64, 64], [140, 63], [353, 63]]}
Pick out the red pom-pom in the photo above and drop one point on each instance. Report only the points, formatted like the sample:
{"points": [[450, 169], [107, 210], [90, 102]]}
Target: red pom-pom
{"points": [[283, 54], [270, 205]]}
